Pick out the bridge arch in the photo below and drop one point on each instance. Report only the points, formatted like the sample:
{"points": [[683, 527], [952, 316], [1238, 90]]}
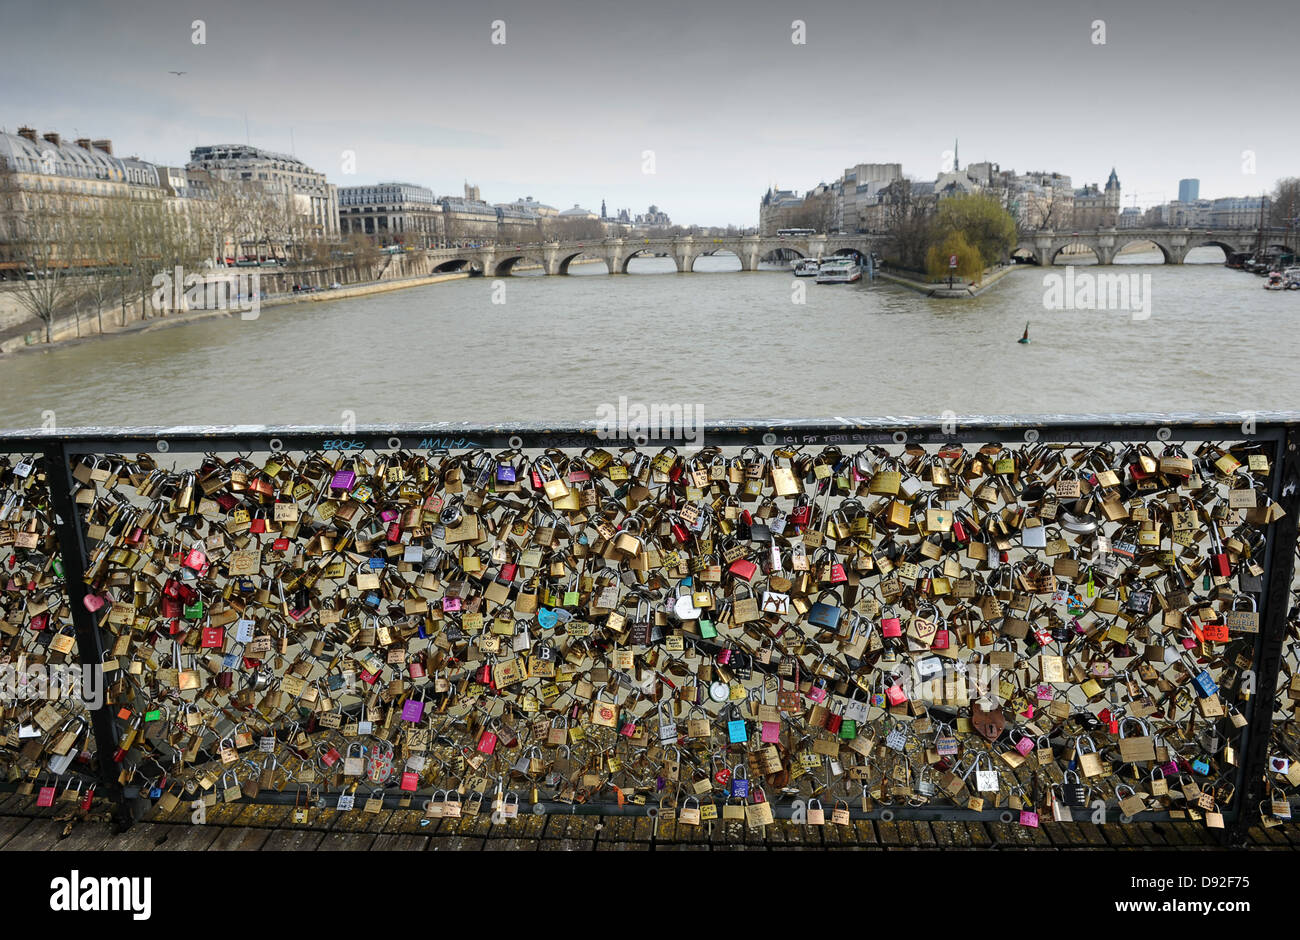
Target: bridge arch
{"points": [[566, 260], [1059, 247], [648, 251], [716, 251], [1210, 242], [1166, 252], [504, 267], [782, 254], [455, 264]]}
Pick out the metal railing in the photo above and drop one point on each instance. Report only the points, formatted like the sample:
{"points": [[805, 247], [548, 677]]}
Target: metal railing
{"points": [[1149, 540]]}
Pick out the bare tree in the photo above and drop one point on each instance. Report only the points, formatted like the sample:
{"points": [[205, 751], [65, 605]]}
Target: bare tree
{"points": [[45, 244]]}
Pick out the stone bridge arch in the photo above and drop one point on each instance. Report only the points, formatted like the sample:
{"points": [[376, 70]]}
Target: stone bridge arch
{"points": [[503, 264]]}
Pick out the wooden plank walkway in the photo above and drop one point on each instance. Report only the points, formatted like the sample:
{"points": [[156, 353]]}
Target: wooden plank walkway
{"points": [[249, 828]]}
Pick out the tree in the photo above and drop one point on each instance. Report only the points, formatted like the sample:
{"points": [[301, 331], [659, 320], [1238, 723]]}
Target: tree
{"points": [[909, 227], [44, 242], [970, 263], [1285, 203], [982, 221]]}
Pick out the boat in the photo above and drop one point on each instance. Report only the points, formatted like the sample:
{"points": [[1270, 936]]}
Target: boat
{"points": [[806, 267], [838, 271], [1275, 281]]}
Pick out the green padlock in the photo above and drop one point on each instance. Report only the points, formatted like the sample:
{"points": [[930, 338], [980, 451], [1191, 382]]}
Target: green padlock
{"points": [[707, 630], [193, 611]]}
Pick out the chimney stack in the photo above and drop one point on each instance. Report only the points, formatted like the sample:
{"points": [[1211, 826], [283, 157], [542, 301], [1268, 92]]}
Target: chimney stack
{"points": [[52, 137], [104, 145], [83, 143], [28, 132]]}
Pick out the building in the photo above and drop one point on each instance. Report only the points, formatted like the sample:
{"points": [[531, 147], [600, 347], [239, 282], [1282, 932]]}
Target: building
{"points": [[529, 204], [1040, 200], [518, 224], [469, 218], [1238, 212], [578, 213], [776, 210], [1095, 207], [1189, 190], [45, 177], [1130, 218], [309, 200], [392, 214], [653, 218], [857, 190]]}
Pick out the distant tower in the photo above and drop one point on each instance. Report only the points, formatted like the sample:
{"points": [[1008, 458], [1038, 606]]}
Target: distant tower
{"points": [[603, 214], [956, 163], [1112, 189], [1110, 200]]}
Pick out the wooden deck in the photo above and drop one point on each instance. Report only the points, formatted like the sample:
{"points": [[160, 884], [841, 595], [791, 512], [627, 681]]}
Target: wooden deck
{"points": [[241, 827]]}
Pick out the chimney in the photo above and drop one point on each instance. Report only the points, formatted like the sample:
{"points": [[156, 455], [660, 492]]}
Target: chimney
{"points": [[52, 138], [83, 143], [104, 145], [28, 132]]}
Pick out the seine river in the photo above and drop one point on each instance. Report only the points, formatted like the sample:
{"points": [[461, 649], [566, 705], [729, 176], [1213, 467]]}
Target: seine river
{"points": [[736, 343]]}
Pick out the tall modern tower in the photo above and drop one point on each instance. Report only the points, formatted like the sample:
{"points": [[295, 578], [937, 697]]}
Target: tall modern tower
{"points": [[1189, 190]]}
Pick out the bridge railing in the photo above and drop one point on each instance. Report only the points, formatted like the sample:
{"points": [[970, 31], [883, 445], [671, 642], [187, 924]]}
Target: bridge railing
{"points": [[993, 618]]}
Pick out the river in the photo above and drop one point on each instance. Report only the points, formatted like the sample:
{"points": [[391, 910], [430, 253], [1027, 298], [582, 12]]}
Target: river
{"points": [[736, 343]]}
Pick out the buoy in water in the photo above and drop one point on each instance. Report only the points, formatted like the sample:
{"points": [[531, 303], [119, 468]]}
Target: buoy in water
{"points": [[1025, 339]]}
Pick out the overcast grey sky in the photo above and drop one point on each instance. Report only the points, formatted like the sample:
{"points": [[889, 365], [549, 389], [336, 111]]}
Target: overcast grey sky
{"points": [[564, 110]]}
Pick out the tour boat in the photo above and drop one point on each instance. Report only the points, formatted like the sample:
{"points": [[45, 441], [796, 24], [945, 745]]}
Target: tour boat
{"points": [[805, 267], [838, 271]]}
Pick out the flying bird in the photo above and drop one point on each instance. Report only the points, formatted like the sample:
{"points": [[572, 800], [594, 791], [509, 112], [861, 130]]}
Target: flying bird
{"points": [[170, 72]]}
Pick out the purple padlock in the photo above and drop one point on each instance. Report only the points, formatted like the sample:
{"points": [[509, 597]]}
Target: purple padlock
{"points": [[343, 479], [505, 473], [412, 709]]}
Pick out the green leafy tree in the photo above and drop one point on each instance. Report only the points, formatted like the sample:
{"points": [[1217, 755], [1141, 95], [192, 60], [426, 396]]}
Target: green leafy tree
{"points": [[982, 221], [970, 264]]}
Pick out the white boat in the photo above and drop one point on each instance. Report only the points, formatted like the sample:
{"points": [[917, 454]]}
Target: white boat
{"points": [[806, 267], [838, 271]]}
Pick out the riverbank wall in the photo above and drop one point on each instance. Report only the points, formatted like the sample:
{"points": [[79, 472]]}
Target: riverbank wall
{"points": [[957, 291]]}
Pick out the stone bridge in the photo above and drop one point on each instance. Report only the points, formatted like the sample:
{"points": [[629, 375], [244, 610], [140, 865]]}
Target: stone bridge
{"points": [[1174, 243], [497, 260]]}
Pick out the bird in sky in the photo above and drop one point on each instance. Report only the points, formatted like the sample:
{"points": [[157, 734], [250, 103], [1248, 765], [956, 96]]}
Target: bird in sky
{"points": [[170, 72]]}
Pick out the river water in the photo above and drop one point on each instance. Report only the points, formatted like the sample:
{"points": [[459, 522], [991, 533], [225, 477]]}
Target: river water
{"points": [[736, 343]]}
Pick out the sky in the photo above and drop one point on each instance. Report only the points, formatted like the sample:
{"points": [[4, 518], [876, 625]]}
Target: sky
{"points": [[696, 106]]}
